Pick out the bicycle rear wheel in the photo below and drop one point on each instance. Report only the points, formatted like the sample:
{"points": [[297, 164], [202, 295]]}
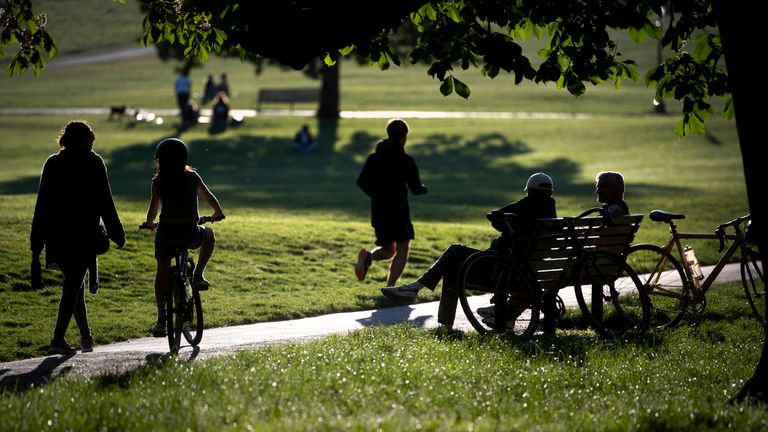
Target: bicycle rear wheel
{"points": [[611, 296], [483, 275], [663, 278], [753, 280], [193, 310]]}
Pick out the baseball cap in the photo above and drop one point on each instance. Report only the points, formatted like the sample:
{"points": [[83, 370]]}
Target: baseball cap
{"points": [[539, 181]]}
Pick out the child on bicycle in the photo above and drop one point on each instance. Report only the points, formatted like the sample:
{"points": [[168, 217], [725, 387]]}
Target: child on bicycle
{"points": [[175, 189]]}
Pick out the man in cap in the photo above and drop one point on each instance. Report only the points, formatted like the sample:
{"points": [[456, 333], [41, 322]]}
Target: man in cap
{"points": [[537, 204]]}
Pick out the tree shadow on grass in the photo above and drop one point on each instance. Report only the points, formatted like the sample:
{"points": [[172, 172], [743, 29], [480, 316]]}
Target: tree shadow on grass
{"points": [[462, 173], [264, 171]]}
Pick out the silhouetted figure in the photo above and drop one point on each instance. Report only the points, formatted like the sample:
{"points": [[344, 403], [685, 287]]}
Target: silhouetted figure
{"points": [[387, 175], [73, 197], [538, 203], [219, 113], [175, 189], [303, 140], [224, 85], [609, 188], [183, 87], [209, 89], [190, 115]]}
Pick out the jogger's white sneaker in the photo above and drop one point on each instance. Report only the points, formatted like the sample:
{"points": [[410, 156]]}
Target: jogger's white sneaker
{"points": [[407, 292]]}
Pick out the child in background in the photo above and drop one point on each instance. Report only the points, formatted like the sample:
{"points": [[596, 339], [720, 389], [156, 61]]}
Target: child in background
{"points": [[175, 188]]}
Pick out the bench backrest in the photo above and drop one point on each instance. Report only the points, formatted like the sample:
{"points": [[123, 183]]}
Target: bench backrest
{"points": [[550, 257], [288, 95]]}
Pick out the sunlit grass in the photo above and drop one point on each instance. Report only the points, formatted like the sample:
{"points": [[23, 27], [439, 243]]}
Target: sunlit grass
{"points": [[403, 378]]}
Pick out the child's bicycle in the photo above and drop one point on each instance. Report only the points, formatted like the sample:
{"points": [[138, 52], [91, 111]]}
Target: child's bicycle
{"points": [[183, 308], [672, 276]]}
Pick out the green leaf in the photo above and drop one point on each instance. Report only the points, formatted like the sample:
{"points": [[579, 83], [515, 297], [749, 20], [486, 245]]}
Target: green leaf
{"points": [[330, 61], [452, 12], [446, 87], [728, 111], [220, 36], [461, 88], [347, 50]]}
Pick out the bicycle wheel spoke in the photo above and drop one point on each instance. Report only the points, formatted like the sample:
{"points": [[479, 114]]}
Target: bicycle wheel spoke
{"points": [[485, 272], [617, 305], [663, 278]]}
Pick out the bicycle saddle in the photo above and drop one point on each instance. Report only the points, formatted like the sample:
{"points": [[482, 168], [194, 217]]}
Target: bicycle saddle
{"points": [[662, 216]]}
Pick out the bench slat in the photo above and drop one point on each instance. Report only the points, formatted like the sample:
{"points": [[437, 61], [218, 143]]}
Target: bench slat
{"points": [[551, 261]]}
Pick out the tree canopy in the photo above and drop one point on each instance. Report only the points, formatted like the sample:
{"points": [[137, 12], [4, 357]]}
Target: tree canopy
{"points": [[446, 35]]}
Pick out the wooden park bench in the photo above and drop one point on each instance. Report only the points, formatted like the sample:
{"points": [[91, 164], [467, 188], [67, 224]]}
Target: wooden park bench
{"points": [[287, 95], [549, 260], [551, 255]]}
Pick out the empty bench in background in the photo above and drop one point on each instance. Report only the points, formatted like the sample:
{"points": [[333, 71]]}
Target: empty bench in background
{"points": [[287, 95]]}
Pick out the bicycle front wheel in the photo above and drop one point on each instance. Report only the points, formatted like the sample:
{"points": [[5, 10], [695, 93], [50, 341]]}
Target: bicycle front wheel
{"points": [[663, 279], [193, 310], [753, 280], [174, 306], [484, 275], [611, 296]]}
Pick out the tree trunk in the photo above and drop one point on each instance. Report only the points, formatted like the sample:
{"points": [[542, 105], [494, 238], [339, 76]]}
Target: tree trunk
{"points": [[739, 27], [329, 92]]}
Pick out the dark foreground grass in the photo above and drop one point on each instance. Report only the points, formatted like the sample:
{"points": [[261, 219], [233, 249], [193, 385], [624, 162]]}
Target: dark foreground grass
{"points": [[396, 378]]}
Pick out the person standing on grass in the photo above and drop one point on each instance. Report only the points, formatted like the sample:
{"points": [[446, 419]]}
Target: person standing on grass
{"points": [[536, 204], [183, 88], [73, 197], [175, 188], [387, 175]]}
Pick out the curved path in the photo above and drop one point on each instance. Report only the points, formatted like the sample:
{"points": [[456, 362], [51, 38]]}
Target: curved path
{"points": [[124, 357]]}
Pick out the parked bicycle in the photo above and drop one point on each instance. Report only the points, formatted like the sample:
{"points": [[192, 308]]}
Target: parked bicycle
{"points": [[672, 276], [183, 307], [583, 252]]}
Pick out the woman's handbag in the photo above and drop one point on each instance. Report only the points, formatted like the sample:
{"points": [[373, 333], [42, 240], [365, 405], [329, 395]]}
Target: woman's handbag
{"points": [[101, 241]]}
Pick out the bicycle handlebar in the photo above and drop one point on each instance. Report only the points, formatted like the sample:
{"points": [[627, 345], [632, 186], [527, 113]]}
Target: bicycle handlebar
{"points": [[201, 221], [606, 215], [502, 218], [720, 230], [206, 219]]}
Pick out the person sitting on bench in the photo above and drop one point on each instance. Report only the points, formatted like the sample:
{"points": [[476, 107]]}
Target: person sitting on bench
{"points": [[537, 204]]}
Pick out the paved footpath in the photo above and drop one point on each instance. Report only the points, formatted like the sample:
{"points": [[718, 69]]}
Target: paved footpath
{"points": [[124, 357]]}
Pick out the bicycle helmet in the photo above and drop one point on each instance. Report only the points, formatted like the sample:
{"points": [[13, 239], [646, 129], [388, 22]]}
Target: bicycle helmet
{"points": [[171, 155]]}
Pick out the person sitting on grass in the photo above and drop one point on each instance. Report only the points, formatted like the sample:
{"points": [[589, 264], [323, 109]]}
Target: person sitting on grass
{"points": [[537, 204], [303, 140]]}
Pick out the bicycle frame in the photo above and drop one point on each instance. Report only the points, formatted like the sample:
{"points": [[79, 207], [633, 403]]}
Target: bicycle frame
{"points": [[675, 242], [724, 258]]}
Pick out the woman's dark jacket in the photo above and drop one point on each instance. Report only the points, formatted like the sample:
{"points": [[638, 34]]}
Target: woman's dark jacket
{"points": [[73, 197]]}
